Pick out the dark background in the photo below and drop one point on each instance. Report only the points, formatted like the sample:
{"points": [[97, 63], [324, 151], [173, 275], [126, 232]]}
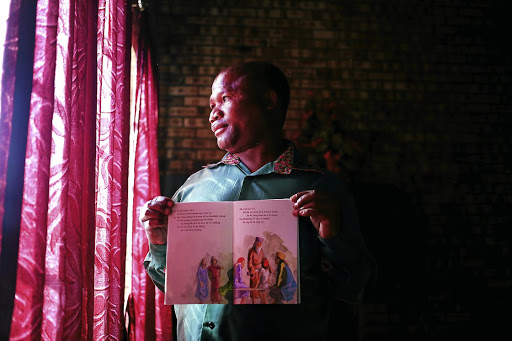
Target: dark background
{"points": [[418, 93]]}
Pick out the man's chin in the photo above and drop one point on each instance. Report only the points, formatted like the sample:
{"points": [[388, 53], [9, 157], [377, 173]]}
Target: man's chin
{"points": [[223, 146], [227, 147], [231, 149]]}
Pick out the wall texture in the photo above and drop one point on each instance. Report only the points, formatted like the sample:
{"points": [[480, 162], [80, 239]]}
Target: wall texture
{"points": [[420, 95]]}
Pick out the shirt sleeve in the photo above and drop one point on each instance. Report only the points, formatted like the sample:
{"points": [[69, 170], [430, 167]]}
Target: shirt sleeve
{"points": [[154, 263], [350, 264], [349, 267]]}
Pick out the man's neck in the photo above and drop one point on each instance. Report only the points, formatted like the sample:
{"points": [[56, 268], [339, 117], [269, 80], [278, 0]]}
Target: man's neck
{"points": [[261, 154]]}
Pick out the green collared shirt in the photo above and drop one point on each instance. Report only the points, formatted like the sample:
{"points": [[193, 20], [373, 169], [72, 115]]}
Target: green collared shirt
{"points": [[329, 268]]}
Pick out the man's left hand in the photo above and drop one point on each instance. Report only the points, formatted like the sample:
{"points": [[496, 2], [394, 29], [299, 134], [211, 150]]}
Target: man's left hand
{"points": [[322, 208]]}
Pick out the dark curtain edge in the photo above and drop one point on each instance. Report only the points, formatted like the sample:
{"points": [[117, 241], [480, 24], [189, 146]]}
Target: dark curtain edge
{"points": [[16, 164]]}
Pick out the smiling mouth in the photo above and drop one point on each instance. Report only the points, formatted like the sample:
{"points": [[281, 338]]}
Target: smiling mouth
{"points": [[218, 129]]}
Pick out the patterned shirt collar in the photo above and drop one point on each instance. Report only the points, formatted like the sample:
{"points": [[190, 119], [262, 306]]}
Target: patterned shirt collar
{"points": [[282, 165]]}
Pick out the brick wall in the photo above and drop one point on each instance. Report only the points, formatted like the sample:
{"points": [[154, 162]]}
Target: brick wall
{"points": [[421, 91]]}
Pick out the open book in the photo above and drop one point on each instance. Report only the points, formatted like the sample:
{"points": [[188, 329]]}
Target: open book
{"points": [[233, 252]]}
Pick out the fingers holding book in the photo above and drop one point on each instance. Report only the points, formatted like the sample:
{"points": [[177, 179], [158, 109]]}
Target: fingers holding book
{"points": [[153, 216]]}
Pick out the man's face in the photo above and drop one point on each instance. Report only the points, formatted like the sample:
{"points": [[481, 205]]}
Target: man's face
{"points": [[257, 245], [236, 119]]}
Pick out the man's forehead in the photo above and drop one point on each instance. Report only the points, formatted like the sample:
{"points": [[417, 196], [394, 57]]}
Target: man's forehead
{"points": [[227, 81]]}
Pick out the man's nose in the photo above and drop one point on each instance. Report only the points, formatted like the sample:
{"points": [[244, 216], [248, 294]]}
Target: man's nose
{"points": [[215, 114]]}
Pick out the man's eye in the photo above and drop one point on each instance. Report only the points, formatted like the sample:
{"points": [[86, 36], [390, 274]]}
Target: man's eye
{"points": [[225, 98]]}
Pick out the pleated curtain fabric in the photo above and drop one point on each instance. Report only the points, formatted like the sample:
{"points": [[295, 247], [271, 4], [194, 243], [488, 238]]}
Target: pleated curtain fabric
{"points": [[72, 242], [149, 318], [70, 271]]}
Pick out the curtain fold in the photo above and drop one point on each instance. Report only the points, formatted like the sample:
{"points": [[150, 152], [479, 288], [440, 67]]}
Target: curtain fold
{"points": [[10, 58], [72, 244], [150, 319], [14, 117], [40, 289], [112, 147]]}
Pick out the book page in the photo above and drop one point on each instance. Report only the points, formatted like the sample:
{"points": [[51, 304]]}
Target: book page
{"points": [[262, 230], [196, 233]]}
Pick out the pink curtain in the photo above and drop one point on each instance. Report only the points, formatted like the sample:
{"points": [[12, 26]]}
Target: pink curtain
{"points": [[112, 142], [73, 232], [7, 98], [149, 319]]}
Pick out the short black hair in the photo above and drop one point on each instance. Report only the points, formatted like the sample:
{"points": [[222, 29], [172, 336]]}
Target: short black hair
{"points": [[265, 76]]}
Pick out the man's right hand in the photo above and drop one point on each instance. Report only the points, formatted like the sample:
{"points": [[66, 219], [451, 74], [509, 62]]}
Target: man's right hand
{"points": [[153, 216]]}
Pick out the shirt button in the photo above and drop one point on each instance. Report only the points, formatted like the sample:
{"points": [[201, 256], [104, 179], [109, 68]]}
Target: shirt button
{"points": [[210, 325]]}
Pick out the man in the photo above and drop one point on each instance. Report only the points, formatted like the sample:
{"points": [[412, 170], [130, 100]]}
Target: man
{"points": [[286, 286], [254, 258], [248, 105]]}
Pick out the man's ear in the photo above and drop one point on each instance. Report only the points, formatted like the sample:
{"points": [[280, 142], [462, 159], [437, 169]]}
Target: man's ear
{"points": [[270, 100]]}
